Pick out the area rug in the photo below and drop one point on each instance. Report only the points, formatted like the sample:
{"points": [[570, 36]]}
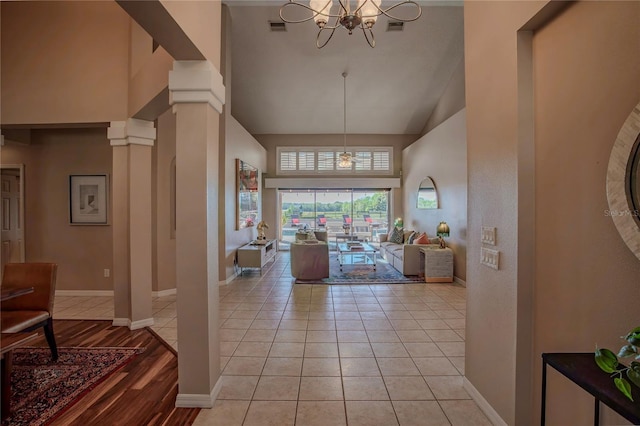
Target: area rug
{"points": [[362, 274], [41, 389]]}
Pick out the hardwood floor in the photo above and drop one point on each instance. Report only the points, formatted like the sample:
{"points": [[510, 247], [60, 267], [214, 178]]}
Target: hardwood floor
{"points": [[141, 393]]}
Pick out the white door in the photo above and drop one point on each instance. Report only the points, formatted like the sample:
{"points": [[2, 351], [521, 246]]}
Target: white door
{"points": [[11, 230]]}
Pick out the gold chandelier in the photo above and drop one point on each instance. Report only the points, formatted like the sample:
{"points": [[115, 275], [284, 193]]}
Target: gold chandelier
{"points": [[362, 15]]}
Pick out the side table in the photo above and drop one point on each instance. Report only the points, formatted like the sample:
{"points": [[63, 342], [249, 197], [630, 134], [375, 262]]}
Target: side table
{"points": [[255, 255], [582, 370], [437, 265]]}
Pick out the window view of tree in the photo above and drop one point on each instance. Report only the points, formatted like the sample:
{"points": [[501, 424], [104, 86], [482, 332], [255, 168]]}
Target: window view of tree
{"points": [[366, 212]]}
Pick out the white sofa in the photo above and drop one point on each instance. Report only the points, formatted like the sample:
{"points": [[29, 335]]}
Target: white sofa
{"points": [[405, 257]]}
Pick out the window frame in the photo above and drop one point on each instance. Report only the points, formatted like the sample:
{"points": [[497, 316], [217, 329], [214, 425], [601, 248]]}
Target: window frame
{"points": [[358, 152]]}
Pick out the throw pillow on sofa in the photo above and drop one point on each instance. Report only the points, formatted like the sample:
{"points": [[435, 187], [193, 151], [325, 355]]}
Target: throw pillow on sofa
{"points": [[422, 239], [397, 236], [412, 237]]}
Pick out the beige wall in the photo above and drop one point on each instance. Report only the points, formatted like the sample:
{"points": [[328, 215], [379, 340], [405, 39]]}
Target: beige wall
{"points": [[442, 155], [50, 75], [492, 137], [587, 82], [81, 252], [238, 144], [165, 248], [585, 74]]}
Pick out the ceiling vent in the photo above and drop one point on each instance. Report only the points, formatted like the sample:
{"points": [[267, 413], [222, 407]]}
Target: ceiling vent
{"points": [[277, 26], [395, 26]]}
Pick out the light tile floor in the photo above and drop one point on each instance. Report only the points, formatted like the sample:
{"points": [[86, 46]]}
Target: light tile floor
{"points": [[327, 355]]}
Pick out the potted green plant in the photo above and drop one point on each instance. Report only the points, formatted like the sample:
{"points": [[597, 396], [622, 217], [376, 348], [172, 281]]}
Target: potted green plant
{"points": [[609, 362]]}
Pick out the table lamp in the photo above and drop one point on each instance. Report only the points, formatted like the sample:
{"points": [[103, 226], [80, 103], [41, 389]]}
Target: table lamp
{"points": [[443, 231]]}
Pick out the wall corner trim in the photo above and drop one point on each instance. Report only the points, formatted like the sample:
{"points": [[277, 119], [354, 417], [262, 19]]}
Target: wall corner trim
{"points": [[196, 82], [486, 408], [131, 132]]}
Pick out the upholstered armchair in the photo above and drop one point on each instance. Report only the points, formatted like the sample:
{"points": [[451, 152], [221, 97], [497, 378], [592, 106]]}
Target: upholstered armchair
{"points": [[32, 310], [309, 261]]}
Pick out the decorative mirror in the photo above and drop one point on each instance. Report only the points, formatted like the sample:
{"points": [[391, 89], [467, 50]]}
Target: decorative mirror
{"points": [[248, 192], [623, 185], [427, 194]]}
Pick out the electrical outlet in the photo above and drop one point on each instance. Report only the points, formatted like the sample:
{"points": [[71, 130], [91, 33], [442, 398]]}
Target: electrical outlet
{"points": [[490, 258], [488, 235], [107, 273]]}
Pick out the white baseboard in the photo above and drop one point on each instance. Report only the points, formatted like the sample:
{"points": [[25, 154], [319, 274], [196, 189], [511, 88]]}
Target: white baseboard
{"points": [[102, 293], [459, 281], [228, 280], [163, 293], [197, 400], [486, 408], [135, 325]]}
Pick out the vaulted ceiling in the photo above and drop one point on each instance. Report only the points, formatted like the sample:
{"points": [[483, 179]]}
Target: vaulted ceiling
{"points": [[282, 84]]}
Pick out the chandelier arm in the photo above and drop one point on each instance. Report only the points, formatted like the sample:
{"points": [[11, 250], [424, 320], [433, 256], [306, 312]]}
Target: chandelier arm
{"points": [[321, 45], [344, 6], [372, 41], [315, 13], [385, 11]]}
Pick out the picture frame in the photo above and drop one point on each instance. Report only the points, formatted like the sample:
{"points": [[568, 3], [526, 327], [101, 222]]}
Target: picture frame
{"points": [[88, 199], [248, 194]]}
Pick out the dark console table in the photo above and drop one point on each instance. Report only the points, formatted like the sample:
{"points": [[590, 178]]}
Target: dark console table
{"points": [[582, 369]]}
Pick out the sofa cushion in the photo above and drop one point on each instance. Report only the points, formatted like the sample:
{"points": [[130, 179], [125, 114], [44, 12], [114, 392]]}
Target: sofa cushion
{"points": [[397, 236], [422, 239]]}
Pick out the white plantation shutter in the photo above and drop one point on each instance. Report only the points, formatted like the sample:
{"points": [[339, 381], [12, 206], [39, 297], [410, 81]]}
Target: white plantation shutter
{"points": [[306, 161], [288, 160], [381, 160], [363, 160], [324, 160]]}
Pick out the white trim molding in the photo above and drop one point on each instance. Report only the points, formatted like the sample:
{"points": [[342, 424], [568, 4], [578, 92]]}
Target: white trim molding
{"points": [[197, 400], [131, 132], [460, 281], [340, 183], [196, 82], [136, 325], [164, 293], [486, 408]]}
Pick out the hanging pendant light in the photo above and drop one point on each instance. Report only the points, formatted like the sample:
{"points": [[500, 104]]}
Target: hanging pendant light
{"points": [[345, 160]]}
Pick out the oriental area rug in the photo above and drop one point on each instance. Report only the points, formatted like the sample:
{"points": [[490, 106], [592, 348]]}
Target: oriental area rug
{"points": [[42, 389], [363, 274]]}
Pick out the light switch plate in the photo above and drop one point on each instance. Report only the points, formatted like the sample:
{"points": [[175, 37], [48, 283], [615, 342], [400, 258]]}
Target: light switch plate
{"points": [[488, 235], [490, 258]]}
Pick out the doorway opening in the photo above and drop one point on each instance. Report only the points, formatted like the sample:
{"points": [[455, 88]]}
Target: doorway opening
{"points": [[362, 213], [12, 214]]}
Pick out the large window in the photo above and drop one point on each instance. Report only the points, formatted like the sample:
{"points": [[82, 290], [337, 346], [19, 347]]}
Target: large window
{"points": [[364, 213], [304, 160]]}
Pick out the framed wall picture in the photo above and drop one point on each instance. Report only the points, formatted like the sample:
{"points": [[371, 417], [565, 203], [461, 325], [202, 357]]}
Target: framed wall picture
{"points": [[88, 199], [248, 194]]}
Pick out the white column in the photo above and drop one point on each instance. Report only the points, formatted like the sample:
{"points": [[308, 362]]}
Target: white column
{"points": [[132, 141], [197, 95]]}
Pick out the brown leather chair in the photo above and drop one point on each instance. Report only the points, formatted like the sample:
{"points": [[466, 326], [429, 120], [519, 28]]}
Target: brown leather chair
{"points": [[33, 310]]}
